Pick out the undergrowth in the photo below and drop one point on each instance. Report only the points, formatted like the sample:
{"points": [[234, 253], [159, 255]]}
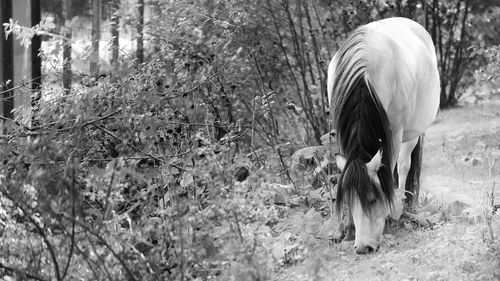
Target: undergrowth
{"points": [[186, 166]]}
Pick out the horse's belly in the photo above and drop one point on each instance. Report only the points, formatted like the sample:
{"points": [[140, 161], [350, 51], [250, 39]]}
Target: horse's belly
{"points": [[426, 102], [418, 115]]}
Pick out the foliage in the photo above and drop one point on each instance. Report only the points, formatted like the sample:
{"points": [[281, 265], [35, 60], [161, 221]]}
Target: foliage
{"points": [[102, 209], [461, 26], [129, 179], [183, 166], [490, 71]]}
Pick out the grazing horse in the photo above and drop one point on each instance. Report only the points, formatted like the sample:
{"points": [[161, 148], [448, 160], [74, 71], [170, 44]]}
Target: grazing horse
{"points": [[383, 90]]}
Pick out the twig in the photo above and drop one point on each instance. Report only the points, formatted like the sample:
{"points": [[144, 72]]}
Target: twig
{"points": [[101, 266], [29, 275], [238, 226], [197, 86], [91, 122], [128, 144], [34, 129], [285, 169], [108, 194], [180, 233], [204, 124], [305, 101], [253, 120], [23, 84], [72, 246], [131, 158], [89, 263], [101, 118], [41, 232], [103, 241], [15, 122]]}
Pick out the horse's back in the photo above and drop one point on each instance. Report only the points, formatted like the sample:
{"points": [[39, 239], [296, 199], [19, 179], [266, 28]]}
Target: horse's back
{"points": [[403, 70]]}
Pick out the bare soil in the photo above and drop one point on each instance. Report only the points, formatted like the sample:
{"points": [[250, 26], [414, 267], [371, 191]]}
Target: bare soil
{"points": [[453, 241]]}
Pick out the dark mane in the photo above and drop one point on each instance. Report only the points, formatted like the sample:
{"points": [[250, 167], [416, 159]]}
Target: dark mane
{"points": [[362, 127]]}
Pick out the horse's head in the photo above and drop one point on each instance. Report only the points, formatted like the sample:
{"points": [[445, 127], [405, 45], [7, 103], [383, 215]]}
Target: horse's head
{"points": [[360, 187]]}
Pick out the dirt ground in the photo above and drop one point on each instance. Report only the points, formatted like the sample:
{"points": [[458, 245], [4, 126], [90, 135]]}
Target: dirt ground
{"points": [[454, 243]]}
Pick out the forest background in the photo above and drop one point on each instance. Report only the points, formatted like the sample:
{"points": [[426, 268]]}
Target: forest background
{"points": [[167, 139]]}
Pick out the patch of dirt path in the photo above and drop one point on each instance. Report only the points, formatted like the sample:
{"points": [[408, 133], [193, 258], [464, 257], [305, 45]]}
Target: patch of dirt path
{"points": [[458, 153]]}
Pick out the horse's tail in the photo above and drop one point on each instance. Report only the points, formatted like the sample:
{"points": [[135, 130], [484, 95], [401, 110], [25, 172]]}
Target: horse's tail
{"points": [[412, 185]]}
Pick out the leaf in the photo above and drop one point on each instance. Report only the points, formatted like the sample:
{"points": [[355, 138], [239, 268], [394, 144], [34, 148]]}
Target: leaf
{"points": [[151, 127], [284, 250], [164, 201], [308, 153], [329, 139], [187, 179], [74, 21], [48, 23], [282, 193], [279, 250], [242, 161], [328, 158]]}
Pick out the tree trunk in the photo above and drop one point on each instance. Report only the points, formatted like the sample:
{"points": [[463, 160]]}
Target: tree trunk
{"points": [[411, 8], [457, 70], [36, 61], [96, 35], [426, 14], [7, 65], [434, 21], [399, 6], [442, 99], [140, 32], [115, 34], [66, 31], [156, 13]]}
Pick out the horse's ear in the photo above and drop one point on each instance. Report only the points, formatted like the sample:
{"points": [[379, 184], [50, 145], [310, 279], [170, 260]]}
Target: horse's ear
{"points": [[340, 161], [376, 162]]}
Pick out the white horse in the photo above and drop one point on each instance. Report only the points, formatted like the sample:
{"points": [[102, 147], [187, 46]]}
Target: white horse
{"points": [[383, 89]]}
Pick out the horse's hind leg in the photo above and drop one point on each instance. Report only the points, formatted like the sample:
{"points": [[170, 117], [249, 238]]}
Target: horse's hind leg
{"points": [[405, 162], [413, 177]]}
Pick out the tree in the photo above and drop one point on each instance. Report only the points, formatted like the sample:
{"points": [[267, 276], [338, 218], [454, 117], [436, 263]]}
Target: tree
{"points": [[140, 32], [447, 22], [154, 7], [96, 35], [66, 31], [115, 33], [7, 73], [36, 60]]}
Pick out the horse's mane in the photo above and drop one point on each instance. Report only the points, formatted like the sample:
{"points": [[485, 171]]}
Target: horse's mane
{"points": [[362, 125]]}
